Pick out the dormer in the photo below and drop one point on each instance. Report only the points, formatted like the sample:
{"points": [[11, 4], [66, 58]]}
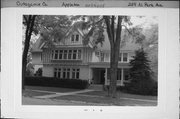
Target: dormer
{"points": [[75, 38]]}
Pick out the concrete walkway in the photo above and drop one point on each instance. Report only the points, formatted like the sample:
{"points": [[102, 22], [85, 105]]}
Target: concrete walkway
{"points": [[57, 94]]}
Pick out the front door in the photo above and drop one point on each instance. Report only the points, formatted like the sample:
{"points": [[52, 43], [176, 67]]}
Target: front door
{"points": [[102, 76]]}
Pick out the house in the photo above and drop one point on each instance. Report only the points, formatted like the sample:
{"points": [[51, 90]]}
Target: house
{"points": [[70, 58]]}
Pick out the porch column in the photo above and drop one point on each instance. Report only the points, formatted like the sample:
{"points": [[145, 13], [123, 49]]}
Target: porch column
{"points": [[90, 75], [122, 77], [105, 76]]}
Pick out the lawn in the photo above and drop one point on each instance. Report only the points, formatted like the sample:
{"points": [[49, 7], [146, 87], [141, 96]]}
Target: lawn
{"points": [[105, 100], [30, 93], [92, 97], [121, 94], [52, 89]]}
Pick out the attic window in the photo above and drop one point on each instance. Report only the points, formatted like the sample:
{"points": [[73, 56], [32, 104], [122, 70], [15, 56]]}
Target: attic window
{"points": [[75, 38]]}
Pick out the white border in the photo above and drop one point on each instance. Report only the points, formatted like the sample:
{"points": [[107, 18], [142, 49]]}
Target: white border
{"points": [[167, 67]]}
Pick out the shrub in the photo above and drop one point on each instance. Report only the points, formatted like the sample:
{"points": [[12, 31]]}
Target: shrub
{"points": [[57, 82], [39, 72]]}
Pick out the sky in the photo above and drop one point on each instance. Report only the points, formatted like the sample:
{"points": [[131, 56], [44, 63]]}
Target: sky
{"points": [[146, 20]]}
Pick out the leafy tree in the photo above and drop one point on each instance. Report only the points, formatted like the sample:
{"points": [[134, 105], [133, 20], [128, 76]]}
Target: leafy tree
{"points": [[140, 74], [95, 25], [50, 27]]}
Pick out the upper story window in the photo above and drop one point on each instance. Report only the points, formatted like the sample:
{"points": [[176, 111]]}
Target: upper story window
{"points": [[123, 57], [66, 54], [75, 38], [100, 55]]}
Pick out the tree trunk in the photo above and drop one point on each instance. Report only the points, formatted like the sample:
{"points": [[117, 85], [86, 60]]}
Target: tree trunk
{"points": [[29, 29], [115, 49]]}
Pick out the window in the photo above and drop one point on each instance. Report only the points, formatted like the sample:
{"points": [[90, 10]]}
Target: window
{"points": [[74, 54], [66, 54], [64, 73], [56, 54], [67, 73], [97, 53], [70, 54], [60, 54], [102, 57], [59, 73], [52, 54], [75, 73], [72, 38], [75, 38], [55, 72], [123, 57], [79, 54]]}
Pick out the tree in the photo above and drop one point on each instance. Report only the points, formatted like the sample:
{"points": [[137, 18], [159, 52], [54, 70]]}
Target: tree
{"points": [[113, 26], [114, 39], [140, 74], [29, 22], [50, 27]]}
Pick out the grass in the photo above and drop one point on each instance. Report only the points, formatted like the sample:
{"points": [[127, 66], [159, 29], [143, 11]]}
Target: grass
{"points": [[121, 94], [105, 100], [53, 89], [97, 97], [30, 93]]}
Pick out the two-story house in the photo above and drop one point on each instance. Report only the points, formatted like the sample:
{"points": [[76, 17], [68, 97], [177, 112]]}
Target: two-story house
{"points": [[70, 58]]}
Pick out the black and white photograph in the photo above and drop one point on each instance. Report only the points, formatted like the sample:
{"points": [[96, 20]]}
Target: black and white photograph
{"points": [[90, 60], [90, 63]]}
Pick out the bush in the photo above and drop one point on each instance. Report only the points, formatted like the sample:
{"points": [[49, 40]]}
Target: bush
{"points": [[143, 87], [39, 72], [56, 82]]}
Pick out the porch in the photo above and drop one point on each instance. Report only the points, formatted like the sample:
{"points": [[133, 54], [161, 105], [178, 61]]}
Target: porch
{"points": [[101, 76]]}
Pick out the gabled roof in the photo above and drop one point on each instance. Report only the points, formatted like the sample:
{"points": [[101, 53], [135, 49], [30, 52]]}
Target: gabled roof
{"points": [[73, 29], [38, 45], [127, 45]]}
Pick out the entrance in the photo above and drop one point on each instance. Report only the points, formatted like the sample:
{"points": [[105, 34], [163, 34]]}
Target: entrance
{"points": [[98, 76]]}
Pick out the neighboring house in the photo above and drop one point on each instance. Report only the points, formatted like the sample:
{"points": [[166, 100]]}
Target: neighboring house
{"points": [[70, 58]]}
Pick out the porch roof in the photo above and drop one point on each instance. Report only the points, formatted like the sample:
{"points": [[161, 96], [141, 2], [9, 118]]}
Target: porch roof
{"points": [[107, 65]]}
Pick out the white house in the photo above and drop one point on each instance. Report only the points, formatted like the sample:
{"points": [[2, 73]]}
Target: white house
{"points": [[70, 58]]}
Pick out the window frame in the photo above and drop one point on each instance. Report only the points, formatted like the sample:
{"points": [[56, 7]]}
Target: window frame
{"points": [[67, 54]]}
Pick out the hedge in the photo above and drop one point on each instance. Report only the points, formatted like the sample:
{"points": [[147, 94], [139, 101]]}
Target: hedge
{"points": [[56, 82]]}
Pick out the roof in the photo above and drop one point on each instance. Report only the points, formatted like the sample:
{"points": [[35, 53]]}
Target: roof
{"points": [[38, 44], [126, 45]]}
